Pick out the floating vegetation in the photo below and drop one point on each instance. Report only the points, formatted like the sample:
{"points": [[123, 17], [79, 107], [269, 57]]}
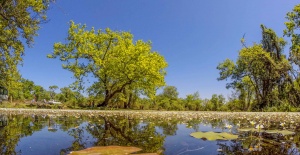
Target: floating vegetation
{"points": [[147, 130], [183, 116], [283, 132], [212, 136], [109, 150]]}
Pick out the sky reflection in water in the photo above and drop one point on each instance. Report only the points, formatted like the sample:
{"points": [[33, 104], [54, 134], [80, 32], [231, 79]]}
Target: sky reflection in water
{"points": [[35, 135]]}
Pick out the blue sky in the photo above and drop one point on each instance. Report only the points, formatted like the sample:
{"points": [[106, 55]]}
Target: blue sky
{"points": [[194, 36]]}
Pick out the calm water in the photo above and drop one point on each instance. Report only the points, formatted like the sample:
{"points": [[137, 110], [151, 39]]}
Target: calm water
{"points": [[36, 134]]}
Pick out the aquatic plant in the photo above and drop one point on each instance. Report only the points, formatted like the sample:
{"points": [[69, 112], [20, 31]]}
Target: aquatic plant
{"points": [[212, 136], [108, 150]]}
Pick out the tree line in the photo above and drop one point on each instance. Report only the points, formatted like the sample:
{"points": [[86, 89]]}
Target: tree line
{"points": [[168, 99], [127, 73]]}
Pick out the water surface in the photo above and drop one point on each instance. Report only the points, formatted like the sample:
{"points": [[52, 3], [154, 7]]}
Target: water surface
{"points": [[35, 132]]}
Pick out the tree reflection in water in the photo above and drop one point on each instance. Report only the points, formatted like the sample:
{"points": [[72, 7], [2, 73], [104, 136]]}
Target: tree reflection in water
{"points": [[13, 128], [236, 147], [125, 132], [88, 131]]}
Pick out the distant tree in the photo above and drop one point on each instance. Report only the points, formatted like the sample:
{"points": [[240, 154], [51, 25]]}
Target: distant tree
{"points": [[216, 102], [30, 90], [193, 101], [207, 105], [27, 88], [66, 94], [39, 92], [234, 105], [70, 96], [170, 92], [167, 98], [113, 58], [80, 100], [143, 103], [52, 91]]}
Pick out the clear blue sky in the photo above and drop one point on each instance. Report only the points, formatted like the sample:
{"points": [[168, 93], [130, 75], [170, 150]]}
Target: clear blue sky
{"points": [[194, 36]]}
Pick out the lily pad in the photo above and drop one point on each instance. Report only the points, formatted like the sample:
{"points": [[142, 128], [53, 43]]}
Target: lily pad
{"points": [[214, 135], [283, 132], [106, 150]]}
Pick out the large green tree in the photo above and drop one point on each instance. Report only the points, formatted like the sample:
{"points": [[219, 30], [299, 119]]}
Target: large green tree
{"points": [[261, 68], [19, 21], [113, 58], [292, 31]]}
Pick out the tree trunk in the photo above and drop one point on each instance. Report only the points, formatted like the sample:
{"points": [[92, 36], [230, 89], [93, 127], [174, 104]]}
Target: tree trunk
{"points": [[105, 102], [109, 94], [130, 100], [127, 104]]}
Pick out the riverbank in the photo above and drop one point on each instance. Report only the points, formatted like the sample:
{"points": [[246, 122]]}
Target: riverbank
{"points": [[152, 114]]}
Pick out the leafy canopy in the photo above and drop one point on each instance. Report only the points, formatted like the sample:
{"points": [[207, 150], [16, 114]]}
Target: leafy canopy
{"points": [[261, 68], [292, 30], [19, 20], [113, 59]]}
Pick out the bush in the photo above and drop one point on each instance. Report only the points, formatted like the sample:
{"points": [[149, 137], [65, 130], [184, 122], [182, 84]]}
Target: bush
{"points": [[271, 109]]}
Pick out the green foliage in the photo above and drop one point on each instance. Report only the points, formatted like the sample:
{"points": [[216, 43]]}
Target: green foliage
{"points": [[207, 105], [72, 98], [28, 87], [260, 72], [292, 28], [282, 132], [113, 58], [66, 94], [263, 78], [52, 91], [193, 102], [217, 101], [167, 99], [19, 20], [170, 92], [292, 31], [235, 104], [28, 90]]}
